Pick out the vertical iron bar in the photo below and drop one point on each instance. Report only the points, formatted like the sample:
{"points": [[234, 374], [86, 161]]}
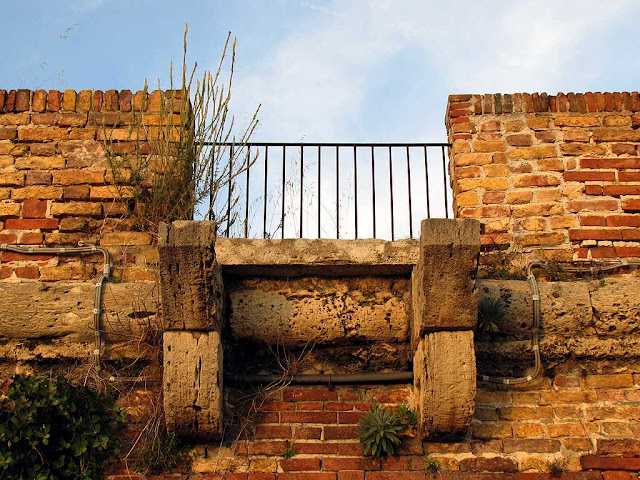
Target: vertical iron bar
{"points": [[409, 190], [355, 187], [373, 185], [426, 176], [391, 191], [444, 180], [229, 190], [337, 192], [246, 200], [211, 190], [284, 149], [264, 199], [301, 184], [319, 189]]}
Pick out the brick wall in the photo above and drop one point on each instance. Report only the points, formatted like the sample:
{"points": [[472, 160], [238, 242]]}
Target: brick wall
{"points": [[56, 187], [555, 174], [588, 420]]}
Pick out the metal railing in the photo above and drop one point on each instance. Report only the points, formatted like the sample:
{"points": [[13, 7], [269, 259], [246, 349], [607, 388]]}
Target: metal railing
{"points": [[337, 190]]}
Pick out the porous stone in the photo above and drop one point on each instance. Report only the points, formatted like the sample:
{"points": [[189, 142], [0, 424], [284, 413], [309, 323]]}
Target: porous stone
{"points": [[296, 311], [443, 281], [193, 384], [444, 369], [190, 277]]}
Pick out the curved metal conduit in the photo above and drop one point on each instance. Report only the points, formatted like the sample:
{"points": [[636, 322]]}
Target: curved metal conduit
{"points": [[97, 296], [593, 268]]}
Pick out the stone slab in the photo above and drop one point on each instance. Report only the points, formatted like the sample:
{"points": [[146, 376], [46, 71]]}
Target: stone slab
{"points": [[193, 384]]}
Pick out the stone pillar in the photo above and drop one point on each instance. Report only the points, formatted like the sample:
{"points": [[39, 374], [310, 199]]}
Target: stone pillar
{"points": [[193, 312], [445, 312]]}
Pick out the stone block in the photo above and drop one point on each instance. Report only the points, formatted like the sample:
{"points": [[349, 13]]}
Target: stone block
{"points": [[444, 368], [443, 281], [193, 384], [190, 277]]}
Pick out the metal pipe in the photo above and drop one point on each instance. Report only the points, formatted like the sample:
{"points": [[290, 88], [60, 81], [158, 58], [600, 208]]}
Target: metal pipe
{"points": [[319, 379], [97, 297]]}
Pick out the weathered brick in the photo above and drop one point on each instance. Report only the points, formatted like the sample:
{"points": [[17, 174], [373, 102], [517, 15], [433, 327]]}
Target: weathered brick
{"points": [[39, 101], [610, 463], [346, 463], [89, 209], [37, 192], [631, 205], [520, 140], [519, 197], [78, 192], [12, 179], [537, 151], [78, 177], [29, 271], [488, 464], [512, 445], [44, 118], [538, 180], [486, 212], [23, 100], [582, 149], [14, 119], [40, 134], [536, 239], [72, 119], [465, 159], [534, 224], [486, 183], [527, 430], [8, 133], [617, 446], [38, 162], [608, 381], [54, 98], [9, 210], [576, 121], [615, 135], [576, 135], [539, 210], [340, 432], [72, 224]]}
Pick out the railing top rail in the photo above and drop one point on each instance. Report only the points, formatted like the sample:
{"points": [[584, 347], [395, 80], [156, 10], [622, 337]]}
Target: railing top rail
{"points": [[329, 144]]}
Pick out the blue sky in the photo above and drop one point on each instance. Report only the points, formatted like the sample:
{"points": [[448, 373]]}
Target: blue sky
{"points": [[332, 70], [341, 70]]}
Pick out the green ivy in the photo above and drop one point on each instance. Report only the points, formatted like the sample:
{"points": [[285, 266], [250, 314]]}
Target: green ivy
{"points": [[50, 430]]}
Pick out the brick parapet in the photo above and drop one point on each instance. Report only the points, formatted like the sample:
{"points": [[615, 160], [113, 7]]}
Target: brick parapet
{"points": [[56, 185], [554, 174]]}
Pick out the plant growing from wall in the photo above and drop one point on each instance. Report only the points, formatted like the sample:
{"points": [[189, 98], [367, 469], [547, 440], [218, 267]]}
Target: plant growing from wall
{"points": [[491, 314], [51, 429], [181, 157], [382, 430]]}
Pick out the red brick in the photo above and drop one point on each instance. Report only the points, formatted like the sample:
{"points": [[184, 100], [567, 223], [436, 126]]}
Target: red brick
{"points": [[338, 406], [593, 189], [395, 475], [16, 257], [623, 221], [10, 101], [592, 221], [38, 178], [604, 463], [627, 251], [309, 417], [618, 190], [5, 272], [8, 237], [350, 417], [267, 448], [350, 475], [111, 100], [76, 192], [54, 99], [309, 406], [31, 238], [272, 431], [594, 234], [631, 205], [312, 394], [589, 176], [23, 98], [125, 100], [308, 433], [617, 446], [298, 464], [272, 406], [30, 272], [604, 204], [618, 476], [316, 448], [340, 432], [603, 252], [32, 223], [307, 476], [629, 176], [38, 103], [493, 464], [345, 463], [96, 104], [527, 476], [34, 209]]}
